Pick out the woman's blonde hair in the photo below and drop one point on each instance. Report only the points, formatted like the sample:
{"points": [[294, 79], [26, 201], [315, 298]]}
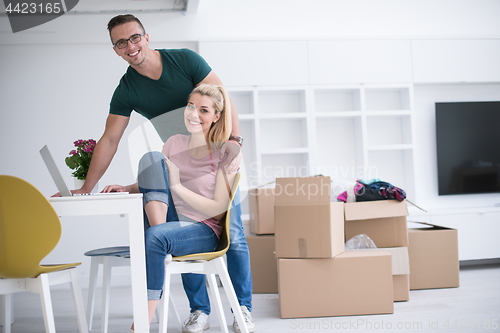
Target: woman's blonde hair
{"points": [[220, 130]]}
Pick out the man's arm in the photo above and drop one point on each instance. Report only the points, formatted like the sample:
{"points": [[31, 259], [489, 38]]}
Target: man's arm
{"points": [[104, 150], [233, 151]]}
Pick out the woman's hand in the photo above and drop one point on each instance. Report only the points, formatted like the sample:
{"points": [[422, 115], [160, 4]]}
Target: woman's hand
{"points": [[173, 173], [230, 155]]}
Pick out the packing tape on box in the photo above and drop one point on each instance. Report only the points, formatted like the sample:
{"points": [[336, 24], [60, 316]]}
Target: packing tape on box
{"points": [[302, 248]]}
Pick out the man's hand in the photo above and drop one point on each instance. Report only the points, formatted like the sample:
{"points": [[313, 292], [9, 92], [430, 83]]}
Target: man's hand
{"points": [[115, 188], [230, 156], [72, 192]]}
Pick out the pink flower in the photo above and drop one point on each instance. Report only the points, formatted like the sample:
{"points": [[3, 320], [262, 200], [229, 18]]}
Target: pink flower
{"points": [[79, 159]]}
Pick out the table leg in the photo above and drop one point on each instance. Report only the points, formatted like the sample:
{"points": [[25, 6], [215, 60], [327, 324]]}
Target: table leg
{"points": [[138, 267]]}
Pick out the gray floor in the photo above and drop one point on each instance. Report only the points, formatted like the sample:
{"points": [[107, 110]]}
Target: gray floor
{"points": [[474, 307]]}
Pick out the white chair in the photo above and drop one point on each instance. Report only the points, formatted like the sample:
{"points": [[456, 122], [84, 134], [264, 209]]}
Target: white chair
{"points": [[29, 230], [141, 140], [210, 264]]}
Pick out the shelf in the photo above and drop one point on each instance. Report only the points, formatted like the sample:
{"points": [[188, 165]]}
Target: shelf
{"points": [[338, 114], [389, 130], [284, 165], [335, 100], [243, 102], [282, 116], [246, 117], [278, 134], [249, 150], [378, 99], [393, 166], [249, 117], [281, 101], [390, 147], [381, 113], [339, 149], [285, 151]]}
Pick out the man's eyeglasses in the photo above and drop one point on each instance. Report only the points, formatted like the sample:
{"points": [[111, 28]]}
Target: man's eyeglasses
{"points": [[123, 43]]}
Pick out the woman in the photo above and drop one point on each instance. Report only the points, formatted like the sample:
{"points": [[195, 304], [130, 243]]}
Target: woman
{"points": [[185, 192]]}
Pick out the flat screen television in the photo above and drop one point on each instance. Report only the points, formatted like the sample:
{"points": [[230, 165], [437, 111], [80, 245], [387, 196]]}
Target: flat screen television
{"points": [[468, 147]]}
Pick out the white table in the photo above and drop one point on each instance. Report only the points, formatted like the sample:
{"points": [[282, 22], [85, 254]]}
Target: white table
{"points": [[129, 205]]}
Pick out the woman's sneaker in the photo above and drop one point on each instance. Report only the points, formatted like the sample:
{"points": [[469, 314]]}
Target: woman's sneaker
{"points": [[197, 322], [249, 322]]}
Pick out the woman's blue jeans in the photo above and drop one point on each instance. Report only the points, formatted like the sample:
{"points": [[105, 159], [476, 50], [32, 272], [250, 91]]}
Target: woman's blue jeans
{"points": [[177, 237]]}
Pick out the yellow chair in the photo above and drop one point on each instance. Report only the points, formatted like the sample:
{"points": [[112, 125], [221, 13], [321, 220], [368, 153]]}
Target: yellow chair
{"points": [[29, 230], [210, 264]]}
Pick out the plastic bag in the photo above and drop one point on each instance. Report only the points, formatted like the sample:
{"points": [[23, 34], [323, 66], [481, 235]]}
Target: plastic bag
{"points": [[361, 241]]}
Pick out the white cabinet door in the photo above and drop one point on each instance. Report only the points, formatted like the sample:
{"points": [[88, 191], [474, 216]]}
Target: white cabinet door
{"points": [[360, 61], [456, 60], [262, 63]]}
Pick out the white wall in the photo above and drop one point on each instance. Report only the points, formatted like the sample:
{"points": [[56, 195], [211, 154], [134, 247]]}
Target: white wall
{"points": [[57, 79], [283, 19]]}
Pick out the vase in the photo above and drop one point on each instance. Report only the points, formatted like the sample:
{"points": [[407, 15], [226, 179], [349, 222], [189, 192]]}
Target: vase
{"points": [[79, 183]]}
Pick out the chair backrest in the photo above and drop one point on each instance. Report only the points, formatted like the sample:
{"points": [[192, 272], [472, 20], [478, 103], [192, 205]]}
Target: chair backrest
{"points": [[224, 237], [29, 228], [224, 241]]}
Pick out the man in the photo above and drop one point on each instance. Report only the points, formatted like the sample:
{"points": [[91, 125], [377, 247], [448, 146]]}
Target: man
{"points": [[156, 85]]}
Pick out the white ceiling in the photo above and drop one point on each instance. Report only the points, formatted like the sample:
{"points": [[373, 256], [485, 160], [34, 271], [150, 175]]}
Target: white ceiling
{"points": [[130, 6]]}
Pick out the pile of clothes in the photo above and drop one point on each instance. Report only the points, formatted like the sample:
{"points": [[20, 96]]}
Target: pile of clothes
{"points": [[372, 190]]}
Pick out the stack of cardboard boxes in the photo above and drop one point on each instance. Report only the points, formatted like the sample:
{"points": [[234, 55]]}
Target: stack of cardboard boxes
{"points": [[306, 261], [385, 223], [261, 243]]}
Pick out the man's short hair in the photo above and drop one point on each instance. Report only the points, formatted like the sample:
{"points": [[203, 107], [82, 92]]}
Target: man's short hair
{"points": [[122, 19]]}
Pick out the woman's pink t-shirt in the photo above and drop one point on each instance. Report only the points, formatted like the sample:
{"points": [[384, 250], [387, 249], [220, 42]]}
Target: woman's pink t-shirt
{"points": [[197, 175]]}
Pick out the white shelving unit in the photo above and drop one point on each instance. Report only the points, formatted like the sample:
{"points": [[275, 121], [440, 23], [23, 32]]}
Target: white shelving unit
{"points": [[345, 132]]}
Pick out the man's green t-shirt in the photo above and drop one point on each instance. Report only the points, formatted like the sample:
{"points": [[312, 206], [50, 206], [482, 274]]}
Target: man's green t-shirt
{"points": [[182, 70]]}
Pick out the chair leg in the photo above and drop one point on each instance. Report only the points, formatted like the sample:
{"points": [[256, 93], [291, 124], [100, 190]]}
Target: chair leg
{"points": [[230, 293], [78, 300], [7, 317], [164, 303], [48, 314], [94, 267], [215, 300], [176, 313], [106, 288], [172, 306]]}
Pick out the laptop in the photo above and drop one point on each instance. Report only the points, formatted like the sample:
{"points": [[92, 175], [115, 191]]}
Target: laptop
{"points": [[58, 179]]}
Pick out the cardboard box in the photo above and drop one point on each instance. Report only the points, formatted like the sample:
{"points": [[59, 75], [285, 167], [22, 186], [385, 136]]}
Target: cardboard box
{"points": [[352, 283], [400, 271], [263, 264], [261, 206], [401, 287], [433, 253], [307, 224], [383, 221]]}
